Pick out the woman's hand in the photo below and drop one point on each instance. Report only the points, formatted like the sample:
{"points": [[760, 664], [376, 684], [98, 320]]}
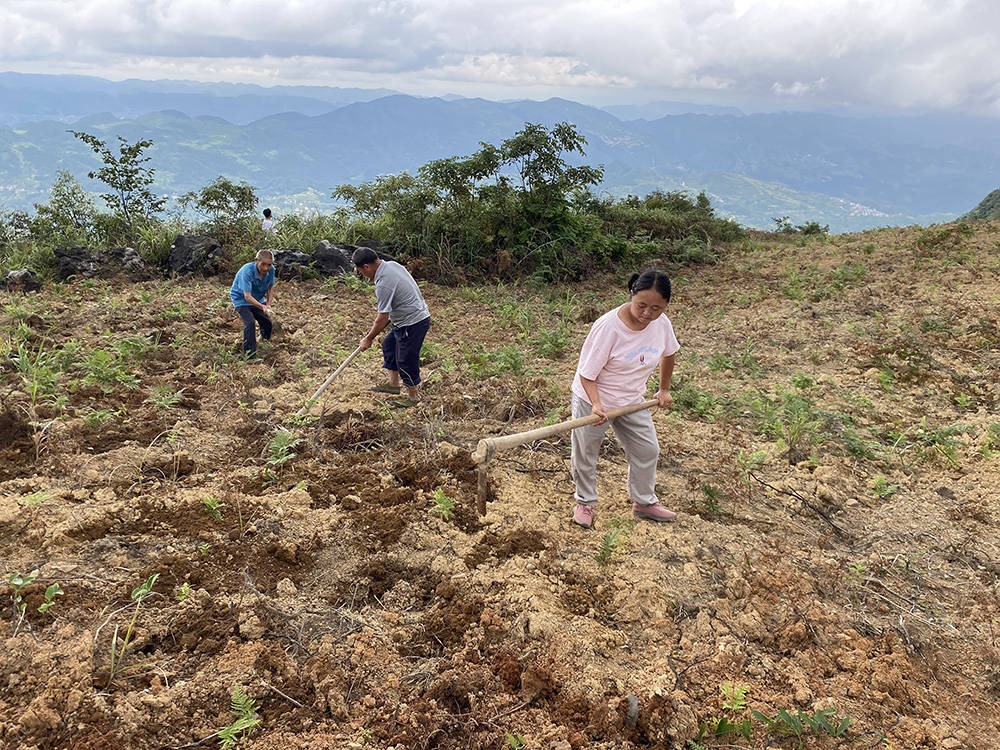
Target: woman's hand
{"points": [[664, 399], [598, 408]]}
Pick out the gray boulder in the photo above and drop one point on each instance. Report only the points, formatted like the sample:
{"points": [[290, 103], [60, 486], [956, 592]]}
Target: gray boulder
{"points": [[194, 253], [22, 280], [77, 261], [333, 259], [127, 259], [289, 263]]}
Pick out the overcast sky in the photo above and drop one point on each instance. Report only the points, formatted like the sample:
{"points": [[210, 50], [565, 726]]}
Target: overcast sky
{"points": [[755, 54]]}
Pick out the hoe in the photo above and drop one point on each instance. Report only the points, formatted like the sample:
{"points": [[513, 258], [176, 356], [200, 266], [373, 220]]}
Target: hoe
{"points": [[488, 447], [330, 379]]}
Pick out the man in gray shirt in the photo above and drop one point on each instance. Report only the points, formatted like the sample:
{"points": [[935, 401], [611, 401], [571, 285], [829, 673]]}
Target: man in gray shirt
{"points": [[399, 303]]}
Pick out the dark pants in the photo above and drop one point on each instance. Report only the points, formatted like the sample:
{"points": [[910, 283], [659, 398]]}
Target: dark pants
{"points": [[249, 314], [401, 350]]}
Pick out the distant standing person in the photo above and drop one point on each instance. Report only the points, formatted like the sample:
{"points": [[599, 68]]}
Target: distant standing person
{"points": [[621, 351], [268, 224], [400, 303], [251, 295]]}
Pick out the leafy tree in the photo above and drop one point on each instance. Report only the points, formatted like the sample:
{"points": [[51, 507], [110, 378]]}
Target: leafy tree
{"points": [[224, 201], [68, 217], [537, 153], [523, 209], [128, 180], [15, 226], [503, 209]]}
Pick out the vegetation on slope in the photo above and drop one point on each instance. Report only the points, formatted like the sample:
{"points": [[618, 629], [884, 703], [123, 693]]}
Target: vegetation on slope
{"points": [[509, 211], [988, 208]]}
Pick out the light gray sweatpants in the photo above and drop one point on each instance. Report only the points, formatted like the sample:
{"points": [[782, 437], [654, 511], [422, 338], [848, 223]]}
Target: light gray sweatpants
{"points": [[638, 437]]}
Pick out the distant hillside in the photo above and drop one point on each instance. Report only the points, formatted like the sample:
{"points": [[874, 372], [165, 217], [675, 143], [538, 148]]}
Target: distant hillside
{"points": [[988, 208], [849, 173], [28, 98], [656, 110]]}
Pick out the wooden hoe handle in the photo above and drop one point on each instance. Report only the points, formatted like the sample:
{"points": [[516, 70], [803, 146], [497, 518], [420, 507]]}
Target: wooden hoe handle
{"points": [[488, 447], [330, 379]]}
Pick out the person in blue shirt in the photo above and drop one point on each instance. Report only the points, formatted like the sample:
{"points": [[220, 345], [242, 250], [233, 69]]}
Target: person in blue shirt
{"points": [[251, 296]]}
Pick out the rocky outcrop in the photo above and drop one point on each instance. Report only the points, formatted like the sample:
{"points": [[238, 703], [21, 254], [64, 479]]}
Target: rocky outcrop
{"points": [[77, 262], [195, 253], [80, 262], [127, 259], [332, 259], [327, 259], [290, 264], [22, 280]]}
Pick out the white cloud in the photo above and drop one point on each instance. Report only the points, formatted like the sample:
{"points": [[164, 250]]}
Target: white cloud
{"points": [[895, 53], [798, 88]]}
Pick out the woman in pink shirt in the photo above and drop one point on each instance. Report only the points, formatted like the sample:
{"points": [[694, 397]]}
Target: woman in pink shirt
{"points": [[622, 350]]}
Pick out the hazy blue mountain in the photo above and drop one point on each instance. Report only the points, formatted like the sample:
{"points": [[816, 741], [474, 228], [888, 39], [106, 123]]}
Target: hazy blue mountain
{"points": [[25, 98], [656, 110], [850, 173], [910, 165]]}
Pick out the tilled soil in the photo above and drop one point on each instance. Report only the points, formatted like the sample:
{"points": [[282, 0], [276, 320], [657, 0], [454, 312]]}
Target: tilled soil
{"points": [[833, 453]]}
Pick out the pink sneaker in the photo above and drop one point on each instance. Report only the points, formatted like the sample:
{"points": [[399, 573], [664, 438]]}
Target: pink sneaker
{"points": [[583, 515], [652, 512]]}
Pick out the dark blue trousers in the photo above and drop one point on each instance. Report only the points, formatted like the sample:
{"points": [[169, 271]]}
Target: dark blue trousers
{"points": [[250, 315], [401, 350]]}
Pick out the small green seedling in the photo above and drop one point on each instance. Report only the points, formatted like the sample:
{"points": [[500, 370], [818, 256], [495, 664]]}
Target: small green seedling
{"points": [[35, 499], [139, 595], [213, 506], [444, 505], [734, 697], [798, 724], [614, 540], [752, 462], [164, 398], [247, 719], [279, 452], [856, 575], [963, 400], [17, 582], [279, 449], [712, 497], [515, 741], [881, 487], [97, 417], [51, 593], [183, 591], [553, 416], [301, 420]]}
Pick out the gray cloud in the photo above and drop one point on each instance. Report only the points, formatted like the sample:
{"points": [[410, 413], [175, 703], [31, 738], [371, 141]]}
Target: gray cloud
{"points": [[892, 54]]}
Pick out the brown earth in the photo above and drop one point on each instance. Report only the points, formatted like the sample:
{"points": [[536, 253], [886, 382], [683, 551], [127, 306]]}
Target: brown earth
{"points": [[853, 566]]}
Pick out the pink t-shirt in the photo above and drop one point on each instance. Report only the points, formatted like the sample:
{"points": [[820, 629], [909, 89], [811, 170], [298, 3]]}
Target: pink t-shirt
{"points": [[621, 360]]}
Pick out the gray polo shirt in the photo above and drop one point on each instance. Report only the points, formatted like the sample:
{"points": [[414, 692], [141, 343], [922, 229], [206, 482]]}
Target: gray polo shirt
{"points": [[398, 294]]}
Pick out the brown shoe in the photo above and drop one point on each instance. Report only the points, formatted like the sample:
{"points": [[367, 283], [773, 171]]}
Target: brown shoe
{"points": [[403, 403]]}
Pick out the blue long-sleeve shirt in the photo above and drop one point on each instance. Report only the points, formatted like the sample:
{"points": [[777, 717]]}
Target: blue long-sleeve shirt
{"points": [[248, 280]]}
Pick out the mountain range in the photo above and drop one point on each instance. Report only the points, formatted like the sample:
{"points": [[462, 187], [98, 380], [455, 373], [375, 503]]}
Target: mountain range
{"points": [[849, 172]]}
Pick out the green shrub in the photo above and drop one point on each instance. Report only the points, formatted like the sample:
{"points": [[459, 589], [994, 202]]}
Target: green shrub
{"points": [[521, 209]]}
